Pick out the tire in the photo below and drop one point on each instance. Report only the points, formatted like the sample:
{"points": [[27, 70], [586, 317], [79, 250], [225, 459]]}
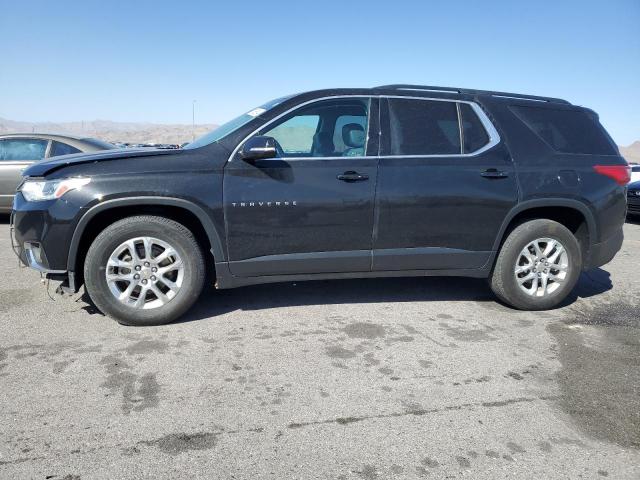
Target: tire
{"points": [[504, 281], [185, 262]]}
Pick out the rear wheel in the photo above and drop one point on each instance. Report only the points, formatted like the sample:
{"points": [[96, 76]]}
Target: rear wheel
{"points": [[144, 270], [537, 266]]}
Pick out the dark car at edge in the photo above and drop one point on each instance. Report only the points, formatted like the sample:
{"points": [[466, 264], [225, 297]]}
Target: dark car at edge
{"points": [[398, 180], [633, 198]]}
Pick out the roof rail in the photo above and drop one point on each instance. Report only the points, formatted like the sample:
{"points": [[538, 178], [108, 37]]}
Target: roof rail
{"points": [[468, 91]]}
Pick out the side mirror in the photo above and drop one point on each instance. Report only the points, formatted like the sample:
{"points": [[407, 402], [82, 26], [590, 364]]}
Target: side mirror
{"points": [[258, 148]]}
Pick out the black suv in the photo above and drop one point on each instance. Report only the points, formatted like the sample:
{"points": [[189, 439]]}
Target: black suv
{"points": [[399, 180]]}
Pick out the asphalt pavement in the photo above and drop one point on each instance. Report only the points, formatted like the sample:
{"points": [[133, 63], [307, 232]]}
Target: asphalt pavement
{"points": [[357, 379]]}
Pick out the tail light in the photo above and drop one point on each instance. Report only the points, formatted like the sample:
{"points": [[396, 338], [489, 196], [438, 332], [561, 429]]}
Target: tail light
{"points": [[621, 174]]}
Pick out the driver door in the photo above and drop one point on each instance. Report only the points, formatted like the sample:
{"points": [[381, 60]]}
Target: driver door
{"points": [[310, 209]]}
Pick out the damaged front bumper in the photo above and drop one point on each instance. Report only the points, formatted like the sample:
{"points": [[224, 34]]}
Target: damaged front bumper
{"points": [[32, 254]]}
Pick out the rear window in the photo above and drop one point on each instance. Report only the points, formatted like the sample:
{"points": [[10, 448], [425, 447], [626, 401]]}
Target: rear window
{"points": [[100, 144], [567, 131]]}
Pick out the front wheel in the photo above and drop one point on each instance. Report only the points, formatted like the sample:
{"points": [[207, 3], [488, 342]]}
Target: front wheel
{"points": [[538, 265], [144, 270]]}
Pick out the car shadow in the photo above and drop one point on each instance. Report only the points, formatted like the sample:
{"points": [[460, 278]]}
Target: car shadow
{"points": [[591, 283], [633, 220], [368, 291], [339, 292], [213, 303], [5, 218]]}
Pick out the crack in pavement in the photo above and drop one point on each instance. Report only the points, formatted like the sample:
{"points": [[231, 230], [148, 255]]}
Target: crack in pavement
{"points": [[179, 442], [421, 411]]}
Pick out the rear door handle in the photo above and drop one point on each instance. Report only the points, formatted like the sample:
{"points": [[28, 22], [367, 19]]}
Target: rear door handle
{"points": [[352, 176], [494, 173]]}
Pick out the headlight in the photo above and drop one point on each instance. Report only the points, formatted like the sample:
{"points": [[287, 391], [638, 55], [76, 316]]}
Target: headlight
{"points": [[35, 190]]}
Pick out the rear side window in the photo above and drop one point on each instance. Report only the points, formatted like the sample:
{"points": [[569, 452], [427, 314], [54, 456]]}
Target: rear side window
{"points": [[423, 127], [567, 131], [59, 148], [474, 135], [20, 149]]}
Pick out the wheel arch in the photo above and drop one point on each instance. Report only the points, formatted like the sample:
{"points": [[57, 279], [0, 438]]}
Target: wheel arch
{"points": [[571, 213], [105, 213]]}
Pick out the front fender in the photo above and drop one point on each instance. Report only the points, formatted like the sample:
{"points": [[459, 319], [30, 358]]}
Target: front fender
{"points": [[214, 238]]}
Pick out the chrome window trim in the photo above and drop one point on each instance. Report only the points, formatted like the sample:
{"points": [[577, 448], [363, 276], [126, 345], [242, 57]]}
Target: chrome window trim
{"points": [[460, 129], [494, 136]]}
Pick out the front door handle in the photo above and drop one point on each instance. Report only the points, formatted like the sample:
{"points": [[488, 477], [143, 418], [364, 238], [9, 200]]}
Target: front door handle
{"points": [[494, 173], [352, 176]]}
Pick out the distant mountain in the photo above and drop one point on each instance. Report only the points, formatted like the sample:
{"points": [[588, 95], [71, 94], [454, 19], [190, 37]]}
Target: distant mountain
{"points": [[124, 132], [632, 152]]}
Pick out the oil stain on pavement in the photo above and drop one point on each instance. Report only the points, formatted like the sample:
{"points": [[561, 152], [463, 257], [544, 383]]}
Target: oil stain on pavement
{"points": [[599, 349]]}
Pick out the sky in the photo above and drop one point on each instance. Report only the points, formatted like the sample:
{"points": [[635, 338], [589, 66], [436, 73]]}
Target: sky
{"points": [[146, 61]]}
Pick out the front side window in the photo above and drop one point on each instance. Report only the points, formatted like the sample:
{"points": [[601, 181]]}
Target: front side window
{"points": [[295, 135], [423, 127], [22, 149], [349, 132], [327, 128], [59, 148]]}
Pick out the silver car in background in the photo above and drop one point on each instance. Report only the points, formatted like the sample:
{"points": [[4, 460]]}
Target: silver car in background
{"points": [[19, 150]]}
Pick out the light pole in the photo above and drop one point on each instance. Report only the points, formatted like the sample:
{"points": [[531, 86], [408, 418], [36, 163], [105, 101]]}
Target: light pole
{"points": [[193, 120]]}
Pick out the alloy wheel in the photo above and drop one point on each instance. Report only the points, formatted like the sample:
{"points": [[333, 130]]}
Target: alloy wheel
{"points": [[542, 267], [144, 273]]}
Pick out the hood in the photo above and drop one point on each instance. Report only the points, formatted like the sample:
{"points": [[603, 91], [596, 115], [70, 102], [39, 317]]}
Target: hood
{"points": [[39, 169]]}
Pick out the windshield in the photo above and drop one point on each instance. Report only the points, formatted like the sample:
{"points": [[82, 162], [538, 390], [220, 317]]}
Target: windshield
{"points": [[232, 125]]}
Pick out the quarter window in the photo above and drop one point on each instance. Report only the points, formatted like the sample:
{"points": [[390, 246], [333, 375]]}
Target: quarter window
{"points": [[327, 128], [22, 149], [59, 148], [423, 127], [567, 131], [474, 136]]}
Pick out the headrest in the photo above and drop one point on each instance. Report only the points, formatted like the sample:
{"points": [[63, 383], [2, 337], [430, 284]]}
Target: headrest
{"points": [[353, 135]]}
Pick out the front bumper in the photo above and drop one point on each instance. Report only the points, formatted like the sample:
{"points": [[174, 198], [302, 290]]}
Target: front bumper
{"points": [[41, 233], [31, 253], [633, 204]]}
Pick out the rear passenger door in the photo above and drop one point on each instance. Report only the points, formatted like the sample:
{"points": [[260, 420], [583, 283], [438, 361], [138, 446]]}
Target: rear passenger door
{"points": [[445, 185], [16, 154]]}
